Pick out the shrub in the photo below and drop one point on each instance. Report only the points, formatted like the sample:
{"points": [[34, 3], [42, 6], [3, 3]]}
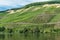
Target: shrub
{"points": [[25, 30], [36, 30], [2, 29], [10, 30]]}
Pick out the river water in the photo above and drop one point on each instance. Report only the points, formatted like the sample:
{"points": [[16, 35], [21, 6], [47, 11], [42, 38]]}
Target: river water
{"points": [[30, 36]]}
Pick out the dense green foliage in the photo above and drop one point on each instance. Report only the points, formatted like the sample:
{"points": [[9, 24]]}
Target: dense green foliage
{"points": [[2, 29]]}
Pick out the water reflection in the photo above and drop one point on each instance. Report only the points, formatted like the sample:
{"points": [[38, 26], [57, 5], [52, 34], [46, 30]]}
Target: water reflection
{"points": [[2, 36], [9, 35], [30, 36]]}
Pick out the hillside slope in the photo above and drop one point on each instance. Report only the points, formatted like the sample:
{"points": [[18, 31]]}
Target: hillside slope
{"points": [[33, 16]]}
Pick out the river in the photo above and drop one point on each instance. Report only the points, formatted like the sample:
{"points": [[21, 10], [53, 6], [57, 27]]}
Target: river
{"points": [[30, 36]]}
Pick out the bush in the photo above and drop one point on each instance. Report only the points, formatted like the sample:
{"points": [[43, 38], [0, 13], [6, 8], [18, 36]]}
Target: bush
{"points": [[56, 30], [2, 29], [10, 30], [25, 30], [36, 30]]}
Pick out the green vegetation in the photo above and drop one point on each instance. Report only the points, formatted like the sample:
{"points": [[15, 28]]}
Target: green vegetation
{"points": [[2, 29], [36, 17], [2, 14]]}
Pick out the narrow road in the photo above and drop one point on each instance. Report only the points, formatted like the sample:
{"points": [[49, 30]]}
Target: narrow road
{"points": [[33, 23]]}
